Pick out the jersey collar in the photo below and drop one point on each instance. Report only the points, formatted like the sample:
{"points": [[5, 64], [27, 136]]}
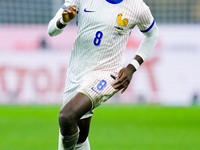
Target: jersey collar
{"points": [[114, 1]]}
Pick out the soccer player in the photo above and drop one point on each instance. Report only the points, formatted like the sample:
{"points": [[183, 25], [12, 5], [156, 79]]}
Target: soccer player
{"points": [[96, 69]]}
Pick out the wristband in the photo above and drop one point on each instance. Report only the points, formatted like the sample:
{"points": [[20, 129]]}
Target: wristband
{"points": [[62, 21], [135, 63]]}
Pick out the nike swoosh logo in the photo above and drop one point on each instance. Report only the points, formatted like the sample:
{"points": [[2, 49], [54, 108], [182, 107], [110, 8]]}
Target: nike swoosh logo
{"points": [[85, 10]]}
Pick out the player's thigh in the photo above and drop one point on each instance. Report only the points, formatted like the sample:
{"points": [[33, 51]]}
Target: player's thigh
{"points": [[76, 107], [98, 87]]}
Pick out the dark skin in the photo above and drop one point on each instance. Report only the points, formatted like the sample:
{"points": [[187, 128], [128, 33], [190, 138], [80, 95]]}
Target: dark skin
{"points": [[125, 76], [68, 14], [70, 114]]}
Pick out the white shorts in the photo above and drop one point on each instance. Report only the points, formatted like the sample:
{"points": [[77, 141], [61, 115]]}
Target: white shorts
{"points": [[97, 86]]}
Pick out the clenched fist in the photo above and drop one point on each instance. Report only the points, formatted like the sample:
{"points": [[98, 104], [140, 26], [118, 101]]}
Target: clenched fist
{"points": [[69, 13]]}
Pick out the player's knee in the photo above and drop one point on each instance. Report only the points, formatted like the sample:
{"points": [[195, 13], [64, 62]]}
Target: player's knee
{"points": [[67, 118]]}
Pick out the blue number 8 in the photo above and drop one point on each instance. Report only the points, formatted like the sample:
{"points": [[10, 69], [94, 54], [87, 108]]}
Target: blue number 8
{"points": [[98, 37], [101, 85]]}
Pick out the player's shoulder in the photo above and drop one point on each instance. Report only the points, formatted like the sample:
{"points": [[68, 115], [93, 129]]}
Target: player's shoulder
{"points": [[137, 4], [141, 5], [137, 1]]}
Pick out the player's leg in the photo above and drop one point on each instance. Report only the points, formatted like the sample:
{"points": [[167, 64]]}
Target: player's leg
{"points": [[83, 142], [98, 88], [84, 126], [69, 117]]}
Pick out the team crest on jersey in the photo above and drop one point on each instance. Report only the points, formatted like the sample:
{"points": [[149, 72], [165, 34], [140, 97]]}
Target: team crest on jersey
{"points": [[121, 22]]}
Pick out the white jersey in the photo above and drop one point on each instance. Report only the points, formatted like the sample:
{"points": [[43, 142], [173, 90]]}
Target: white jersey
{"points": [[104, 27]]}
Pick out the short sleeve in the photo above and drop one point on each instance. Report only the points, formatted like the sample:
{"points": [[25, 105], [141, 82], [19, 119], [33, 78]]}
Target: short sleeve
{"points": [[145, 20]]}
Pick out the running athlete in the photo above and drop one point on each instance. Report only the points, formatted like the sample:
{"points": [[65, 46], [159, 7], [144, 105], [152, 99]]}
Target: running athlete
{"points": [[96, 69]]}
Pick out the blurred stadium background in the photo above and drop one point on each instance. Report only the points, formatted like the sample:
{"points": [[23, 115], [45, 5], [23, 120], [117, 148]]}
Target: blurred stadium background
{"points": [[33, 70], [33, 65]]}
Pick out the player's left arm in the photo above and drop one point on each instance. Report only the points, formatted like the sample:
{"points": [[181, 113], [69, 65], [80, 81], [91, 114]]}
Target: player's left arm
{"points": [[151, 33]]}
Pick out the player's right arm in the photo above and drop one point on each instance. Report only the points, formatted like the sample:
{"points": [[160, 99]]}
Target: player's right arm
{"points": [[62, 17]]}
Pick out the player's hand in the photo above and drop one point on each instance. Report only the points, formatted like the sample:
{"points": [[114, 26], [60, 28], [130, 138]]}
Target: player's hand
{"points": [[124, 78], [69, 13]]}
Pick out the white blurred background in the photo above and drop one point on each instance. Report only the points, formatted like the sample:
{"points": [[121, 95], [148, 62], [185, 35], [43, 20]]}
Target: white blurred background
{"points": [[33, 65]]}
